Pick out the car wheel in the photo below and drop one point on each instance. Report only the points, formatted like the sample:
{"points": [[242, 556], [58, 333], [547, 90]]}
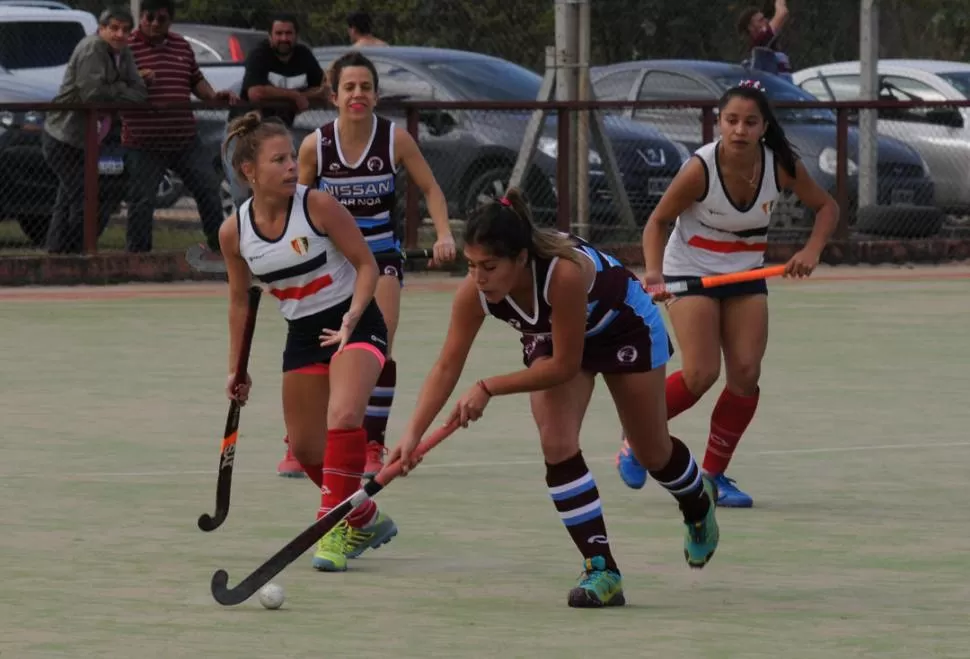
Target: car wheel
{"points": [[170, 190], [486, 186], [492, 183], [225, 193], [35, 228], [225, 198]]}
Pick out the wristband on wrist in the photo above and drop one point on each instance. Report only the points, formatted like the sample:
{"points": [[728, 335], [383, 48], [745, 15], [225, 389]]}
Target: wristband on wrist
{"points": [[481, 383]]}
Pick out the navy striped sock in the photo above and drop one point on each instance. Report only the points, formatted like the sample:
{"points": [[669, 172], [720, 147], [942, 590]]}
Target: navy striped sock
{"points": [[574, 493], [379, 405], [682, 478]]}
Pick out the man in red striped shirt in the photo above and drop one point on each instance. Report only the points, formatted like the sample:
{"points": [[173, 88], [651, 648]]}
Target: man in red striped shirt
{"points": [[157, 141]]}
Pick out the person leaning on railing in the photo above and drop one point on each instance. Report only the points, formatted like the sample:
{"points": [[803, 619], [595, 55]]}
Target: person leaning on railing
{"points": [[101, 70], [280, 69], [160, 140]]}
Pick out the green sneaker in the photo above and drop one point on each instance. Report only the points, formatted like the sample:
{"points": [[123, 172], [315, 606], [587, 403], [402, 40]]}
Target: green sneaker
{"points": [[331, 550], [378, 533], [700, 540], [344, 542], [597, 586]]}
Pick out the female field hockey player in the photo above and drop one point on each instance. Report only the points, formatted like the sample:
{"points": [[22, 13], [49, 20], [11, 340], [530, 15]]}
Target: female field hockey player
{"points": [[722, 200], [307, 248], [580, 313], [355, 158]]}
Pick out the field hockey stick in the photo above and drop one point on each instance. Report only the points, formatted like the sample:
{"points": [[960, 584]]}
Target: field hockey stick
{"points": [[227, 451], [298, 545], [713, 281], [200, 259]]}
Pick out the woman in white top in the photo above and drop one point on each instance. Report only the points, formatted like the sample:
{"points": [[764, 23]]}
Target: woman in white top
{"points": [[307, 249], [722, 200]]}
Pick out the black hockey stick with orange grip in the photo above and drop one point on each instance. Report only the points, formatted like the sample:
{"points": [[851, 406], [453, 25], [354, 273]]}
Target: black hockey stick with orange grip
{"points": [[227, 450], [712, 281]]}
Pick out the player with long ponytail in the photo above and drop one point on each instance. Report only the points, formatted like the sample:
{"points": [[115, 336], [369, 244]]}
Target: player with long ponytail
{"points": [[721, 201]]}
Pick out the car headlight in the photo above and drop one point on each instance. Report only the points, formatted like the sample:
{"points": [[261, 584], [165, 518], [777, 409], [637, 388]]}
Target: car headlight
{"points": [[7, 119], [550, 147], [829, 159]]}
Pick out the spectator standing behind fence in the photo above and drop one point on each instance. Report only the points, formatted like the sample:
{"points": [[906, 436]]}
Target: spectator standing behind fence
{"points": [[279, 69], [157, 141], [359, 29], [763, 33], [101, 70]]}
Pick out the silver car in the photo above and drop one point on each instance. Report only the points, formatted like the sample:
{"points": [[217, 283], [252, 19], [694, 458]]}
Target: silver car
{"points": [[941, 135]]}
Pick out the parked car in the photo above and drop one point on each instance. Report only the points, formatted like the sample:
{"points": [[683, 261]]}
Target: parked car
{"points": [[36, 42], [472, 153], [940, 135], [903, 176], [217, 43], [45, 4], [28, 186]]}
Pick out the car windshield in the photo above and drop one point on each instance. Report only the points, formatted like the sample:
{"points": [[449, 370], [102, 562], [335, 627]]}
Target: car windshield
{"points": [[960, 80], [780, 91], [482, 79], [38, 44]]}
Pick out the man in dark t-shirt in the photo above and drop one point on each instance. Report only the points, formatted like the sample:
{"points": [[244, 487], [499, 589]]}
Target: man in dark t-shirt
{"points": [[280, 70]]}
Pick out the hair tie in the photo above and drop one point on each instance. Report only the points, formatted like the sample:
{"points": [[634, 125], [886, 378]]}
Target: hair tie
{"points": [[752, 84], [505, 201]]}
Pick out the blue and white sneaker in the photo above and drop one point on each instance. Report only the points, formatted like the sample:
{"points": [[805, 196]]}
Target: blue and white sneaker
{"points": [[631, 471], [728, 494], [701, 538]]}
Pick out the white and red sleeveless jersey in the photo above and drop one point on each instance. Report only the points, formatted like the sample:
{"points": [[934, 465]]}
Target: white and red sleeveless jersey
{"points": [[713, 236], [303, 268]]}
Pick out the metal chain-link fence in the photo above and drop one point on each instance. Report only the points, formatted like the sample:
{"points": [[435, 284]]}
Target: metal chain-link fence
{"points": [[172, 193]]}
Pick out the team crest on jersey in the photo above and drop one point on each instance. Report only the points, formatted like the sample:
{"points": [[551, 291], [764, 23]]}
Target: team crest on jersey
{"points": [[300, 245], [334, 166], [375, 164], [627, 355]]}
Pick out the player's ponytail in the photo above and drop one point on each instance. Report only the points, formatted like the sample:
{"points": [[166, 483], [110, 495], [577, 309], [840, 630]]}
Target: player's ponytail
{"points": [[774, 137], [505, 228], [249, 131]]}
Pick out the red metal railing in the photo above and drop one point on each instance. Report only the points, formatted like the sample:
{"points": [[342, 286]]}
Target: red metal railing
{"points": [[843, 111]]}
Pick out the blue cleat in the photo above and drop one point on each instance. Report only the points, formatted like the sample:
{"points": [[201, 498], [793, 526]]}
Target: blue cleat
{"points": [[728, 494], [631, 471]]}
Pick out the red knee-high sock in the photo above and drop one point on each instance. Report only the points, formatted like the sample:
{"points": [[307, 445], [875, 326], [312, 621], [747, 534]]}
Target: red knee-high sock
{"points": [[343, 466], [729, 420], [679, 397]]}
